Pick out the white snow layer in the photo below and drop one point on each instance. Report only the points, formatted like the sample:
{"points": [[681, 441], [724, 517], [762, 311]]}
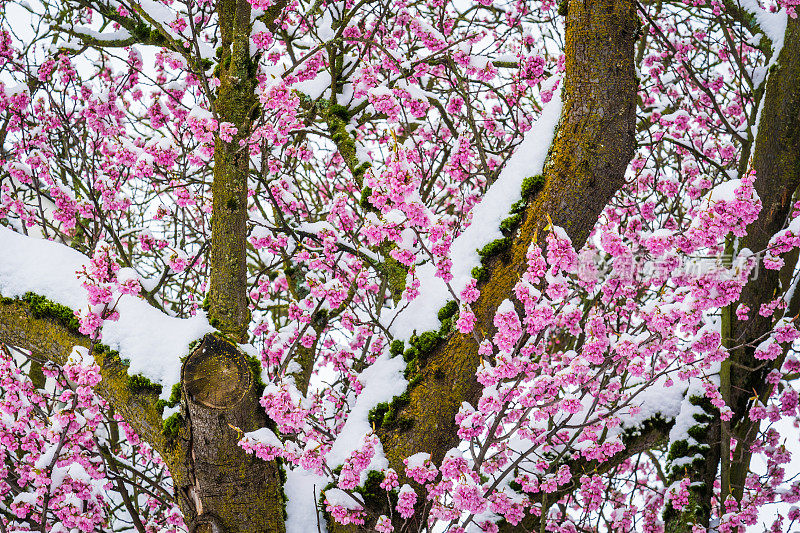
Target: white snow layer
{"points": [[302, 490], [152, 341], [527, 160], [382, 381]]}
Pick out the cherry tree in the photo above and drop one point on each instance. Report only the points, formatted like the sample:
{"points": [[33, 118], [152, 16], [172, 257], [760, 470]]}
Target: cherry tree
{"points": [[399, 265]]}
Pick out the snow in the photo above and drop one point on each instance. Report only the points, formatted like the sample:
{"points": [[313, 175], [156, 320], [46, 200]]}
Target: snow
{"points": [[265, 436], [341, 498], [724, 192], [417, 460], [302, 490], [656, 399], [316, 87], [505, 307], [119, 35], [150, 340], [382, 381], [27, 265], [772, 24], [200, 113], [685, 419], [527, 160]]}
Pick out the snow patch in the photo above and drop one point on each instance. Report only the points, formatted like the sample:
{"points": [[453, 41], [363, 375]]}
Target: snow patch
{"points": [[528, 160]]}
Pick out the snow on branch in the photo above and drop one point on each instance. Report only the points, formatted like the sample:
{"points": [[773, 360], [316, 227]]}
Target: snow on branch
{"points": [[151, 341]]}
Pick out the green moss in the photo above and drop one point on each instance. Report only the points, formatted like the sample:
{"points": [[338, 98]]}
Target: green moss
{"points": [[697, 400], [255, 367], [175, 395], [377, 413], [386, 414], [494, 248], [404, 424], [141, 32], [172, 425], [697, 432], [281, 464], [360, 170], [41, 307], [174, 399], [140, 384], [480, 273], [396, 348], [395, 271], [532, 185], [426, 342], [371, 490], [396, 405], [519, 206], [339, 111], [106, 355], [508, 225], [449, 309], [192, 345], [678, 449], [364, 202], [447, 326], [412, 354], [157, 38], [411, 368]]}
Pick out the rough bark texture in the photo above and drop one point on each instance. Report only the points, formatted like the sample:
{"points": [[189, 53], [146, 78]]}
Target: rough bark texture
{"points": [[235, 103], [776, 161], [224, 487], [593, 144]]}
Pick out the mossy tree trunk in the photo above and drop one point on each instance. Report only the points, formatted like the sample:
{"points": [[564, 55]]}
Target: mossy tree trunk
{"points": [[220, 488], [585, 167], [235, 103], [776, 162]]}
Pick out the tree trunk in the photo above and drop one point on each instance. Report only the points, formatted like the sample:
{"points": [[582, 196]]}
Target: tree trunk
{"points": [[593, 144], [221, 486], [776, 161], [235, 103]]}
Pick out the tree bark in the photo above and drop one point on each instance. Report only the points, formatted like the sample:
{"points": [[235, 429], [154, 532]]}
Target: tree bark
{"points": [[219, 485], [776, 162], [585, 167], [235, 103]]}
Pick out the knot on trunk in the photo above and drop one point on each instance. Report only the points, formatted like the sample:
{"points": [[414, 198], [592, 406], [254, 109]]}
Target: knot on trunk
{"points": [[217, 374]]}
